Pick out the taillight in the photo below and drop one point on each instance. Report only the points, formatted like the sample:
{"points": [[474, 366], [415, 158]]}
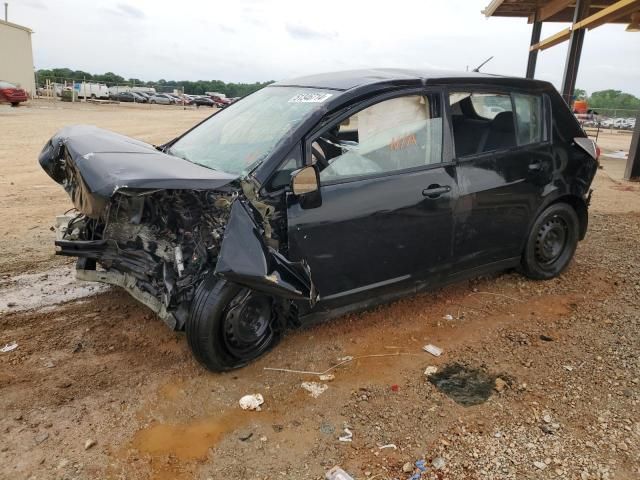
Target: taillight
{"points": [[597, 152]]}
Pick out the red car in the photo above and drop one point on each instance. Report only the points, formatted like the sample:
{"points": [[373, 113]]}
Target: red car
{"points": [[9, 93]]}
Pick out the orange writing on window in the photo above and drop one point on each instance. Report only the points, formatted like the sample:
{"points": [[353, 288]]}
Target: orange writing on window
{"points": [[403, 142]]}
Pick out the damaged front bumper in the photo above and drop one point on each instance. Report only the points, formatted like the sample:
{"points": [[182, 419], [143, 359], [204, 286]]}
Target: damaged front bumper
{"points": [[130, 284]]}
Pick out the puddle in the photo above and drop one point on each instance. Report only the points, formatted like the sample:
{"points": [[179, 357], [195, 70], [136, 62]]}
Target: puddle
{"points": [[466, 386], [189, 441], [32, 291]]}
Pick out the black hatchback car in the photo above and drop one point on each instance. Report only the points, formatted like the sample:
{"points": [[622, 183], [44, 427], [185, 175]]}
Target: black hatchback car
{"points": [[326, 194]]}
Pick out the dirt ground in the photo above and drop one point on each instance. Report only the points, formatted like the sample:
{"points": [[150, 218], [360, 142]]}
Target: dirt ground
{"points": [[98, 388]]}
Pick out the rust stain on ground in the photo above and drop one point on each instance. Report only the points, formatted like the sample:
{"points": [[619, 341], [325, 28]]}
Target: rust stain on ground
{"points": [[190, 441]]}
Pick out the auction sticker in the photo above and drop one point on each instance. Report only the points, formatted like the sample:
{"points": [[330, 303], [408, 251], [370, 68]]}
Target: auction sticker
{"points": [[313, 97]]}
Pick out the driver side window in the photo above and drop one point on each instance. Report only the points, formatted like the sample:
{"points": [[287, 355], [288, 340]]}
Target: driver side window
{"points": [[393, 135]]}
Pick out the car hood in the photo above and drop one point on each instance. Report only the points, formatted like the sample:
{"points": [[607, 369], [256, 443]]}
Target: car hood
{"points": [[107, 162]]}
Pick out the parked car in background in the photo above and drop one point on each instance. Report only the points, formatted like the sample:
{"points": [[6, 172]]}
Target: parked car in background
{"points": [[162, 99], [130, 97], [201, 101], [10, 93], [327, 194], [144, 95], [221, 102]]}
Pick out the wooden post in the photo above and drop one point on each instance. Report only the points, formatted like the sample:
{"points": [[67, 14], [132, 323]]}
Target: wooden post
{"points": [[632, 171]]}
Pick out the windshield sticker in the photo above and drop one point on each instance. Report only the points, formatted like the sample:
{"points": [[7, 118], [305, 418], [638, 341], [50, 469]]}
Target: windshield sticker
{"points": [[310, 97]]}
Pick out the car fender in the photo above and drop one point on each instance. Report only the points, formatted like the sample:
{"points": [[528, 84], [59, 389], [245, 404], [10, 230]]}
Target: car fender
{"points": [[246, 259]]}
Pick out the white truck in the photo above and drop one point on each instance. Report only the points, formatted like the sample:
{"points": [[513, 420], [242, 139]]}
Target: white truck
{"points": [[91, 90]]}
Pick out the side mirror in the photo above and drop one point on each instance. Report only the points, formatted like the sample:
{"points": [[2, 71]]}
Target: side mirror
{"points": [[304, 181], [305, 184]]}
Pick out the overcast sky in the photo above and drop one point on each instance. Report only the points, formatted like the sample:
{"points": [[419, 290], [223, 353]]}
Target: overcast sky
{"points": [[257, 40]]}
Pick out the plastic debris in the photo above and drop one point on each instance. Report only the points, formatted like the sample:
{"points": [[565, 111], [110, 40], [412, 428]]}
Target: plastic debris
{"points": [[448, 316], [388, 445], [430, 370], [395, 387], [420, 465], [347, 437], [433, 350], [568, 368], [327, 377], [9, 347], [336, 473], [438, 463], [315, 389], [252, 402]]}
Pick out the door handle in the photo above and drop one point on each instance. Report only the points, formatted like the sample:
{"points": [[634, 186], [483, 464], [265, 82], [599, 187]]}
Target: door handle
{"points": [[535, 167], [434, 191]]}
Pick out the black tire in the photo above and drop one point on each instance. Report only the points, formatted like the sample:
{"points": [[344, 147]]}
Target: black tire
{"points": [[15, 104], [229, 326], [552, 242]]}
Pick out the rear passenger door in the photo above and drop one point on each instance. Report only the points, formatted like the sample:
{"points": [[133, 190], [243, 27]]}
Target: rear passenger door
{"points": [[503, 164]]}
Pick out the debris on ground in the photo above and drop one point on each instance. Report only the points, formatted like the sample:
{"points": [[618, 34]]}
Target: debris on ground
{"points": [[315, 389], [433, 350], [336, 473], [327, 377], [430, 370], [347, 437], [252, 402], [438, 463], [388, 445], [9, 347], [395, 387], [500, 385], [448, 316], [90, 443], [546, 338], [466, 386]]}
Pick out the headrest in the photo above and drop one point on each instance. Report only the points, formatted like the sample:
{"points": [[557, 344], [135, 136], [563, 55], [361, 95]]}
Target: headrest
{"points": [[503, 122]]}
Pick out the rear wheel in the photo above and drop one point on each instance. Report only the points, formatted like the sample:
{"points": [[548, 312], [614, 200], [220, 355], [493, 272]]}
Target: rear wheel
{"points": [[229, 325], [552, 242], [15, 104]]}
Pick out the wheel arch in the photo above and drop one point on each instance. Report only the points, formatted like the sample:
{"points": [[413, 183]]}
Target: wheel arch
{"points": [[577, 202]]}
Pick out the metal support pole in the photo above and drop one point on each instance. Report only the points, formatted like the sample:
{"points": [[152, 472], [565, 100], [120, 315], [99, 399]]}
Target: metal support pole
{"points": [[632, 171], [575, 50], [533, 54]]}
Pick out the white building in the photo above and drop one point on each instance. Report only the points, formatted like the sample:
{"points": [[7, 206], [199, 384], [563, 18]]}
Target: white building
{"points": [[16, 56]]}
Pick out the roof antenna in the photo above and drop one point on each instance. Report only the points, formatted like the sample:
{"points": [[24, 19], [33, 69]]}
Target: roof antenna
{"points": [[477, 69]]}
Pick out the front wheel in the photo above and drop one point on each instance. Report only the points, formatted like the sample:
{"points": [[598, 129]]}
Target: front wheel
{"points": [[552, 242], [229, 325]]}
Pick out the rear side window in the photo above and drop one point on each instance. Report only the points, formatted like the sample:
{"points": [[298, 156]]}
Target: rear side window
{"points": [[528, 118], [482, 122]]}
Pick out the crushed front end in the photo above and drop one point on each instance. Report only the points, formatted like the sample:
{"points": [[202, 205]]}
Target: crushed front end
{"points": [[157, 246], [157, 225]]}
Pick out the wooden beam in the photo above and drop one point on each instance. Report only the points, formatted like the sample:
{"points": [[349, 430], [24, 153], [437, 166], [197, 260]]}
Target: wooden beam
{"points": [[606, 15], [551, 8], [492, 7], [609, 14], [561, 36]]}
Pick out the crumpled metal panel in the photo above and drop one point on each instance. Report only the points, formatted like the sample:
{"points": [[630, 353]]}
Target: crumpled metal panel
{"points": [[245, 259], [108, 162]]}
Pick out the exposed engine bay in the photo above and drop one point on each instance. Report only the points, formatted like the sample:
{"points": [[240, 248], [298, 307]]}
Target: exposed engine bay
{"points": [[158, 225], [167, 240]]}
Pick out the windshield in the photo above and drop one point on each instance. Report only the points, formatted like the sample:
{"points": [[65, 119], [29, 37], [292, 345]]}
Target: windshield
{"points": [[235, 139]]}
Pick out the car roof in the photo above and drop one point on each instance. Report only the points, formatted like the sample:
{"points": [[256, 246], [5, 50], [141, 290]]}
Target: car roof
{"points": [[350, 79]]}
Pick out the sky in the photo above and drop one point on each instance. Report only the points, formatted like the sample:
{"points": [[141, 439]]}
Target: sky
{"points": [[259, 40]]}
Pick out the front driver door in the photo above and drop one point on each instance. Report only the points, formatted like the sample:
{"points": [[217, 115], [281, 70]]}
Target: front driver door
{"points": [[388, 189]]}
